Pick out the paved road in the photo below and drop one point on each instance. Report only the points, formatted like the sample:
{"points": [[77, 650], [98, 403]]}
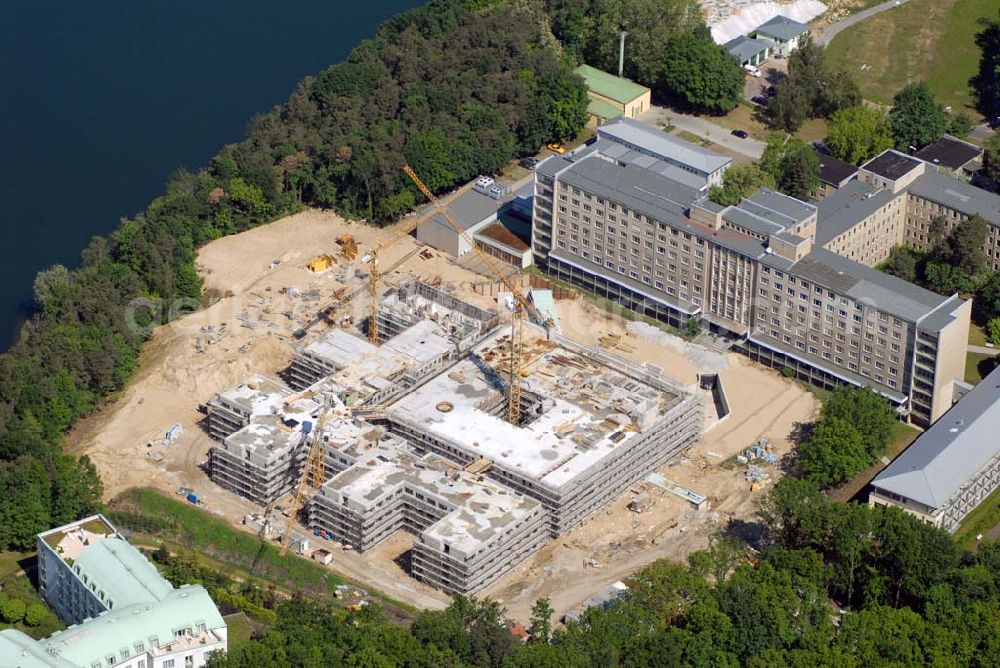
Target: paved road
{"points": [[983, 350], [981, 133], [702, 127], [824, 36]]}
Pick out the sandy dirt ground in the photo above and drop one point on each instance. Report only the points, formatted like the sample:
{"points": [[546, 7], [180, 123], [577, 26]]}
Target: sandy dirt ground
{"points": [[262, 293]]}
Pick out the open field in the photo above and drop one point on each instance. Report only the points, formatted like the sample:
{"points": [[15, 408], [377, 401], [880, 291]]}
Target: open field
{"points": [[929, 40], [985, 520]]}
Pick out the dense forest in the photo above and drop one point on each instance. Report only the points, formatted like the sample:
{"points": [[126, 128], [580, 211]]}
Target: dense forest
{"points": [[829, 585], [457, 87]]}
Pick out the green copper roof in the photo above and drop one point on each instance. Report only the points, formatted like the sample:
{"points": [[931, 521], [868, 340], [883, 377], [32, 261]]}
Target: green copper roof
{"points": [[603, 110], [96, 639], [609, 86], [121, 573], [21, 651]]}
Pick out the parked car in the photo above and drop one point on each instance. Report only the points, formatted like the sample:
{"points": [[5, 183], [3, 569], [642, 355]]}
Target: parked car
{"points": [[556, 148], [530, 162], [752, 70], [739, 133], [758, 99]]}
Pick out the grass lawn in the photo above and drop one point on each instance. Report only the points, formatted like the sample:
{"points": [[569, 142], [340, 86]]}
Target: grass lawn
{"points": [[986, 516], [240, 630], [929, 40], [233, 551], [977, 336], [17, 570], [902, 435], [977, 366]]}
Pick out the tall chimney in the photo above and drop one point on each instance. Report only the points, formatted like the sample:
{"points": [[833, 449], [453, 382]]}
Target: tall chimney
{"points": [[621, 55]]}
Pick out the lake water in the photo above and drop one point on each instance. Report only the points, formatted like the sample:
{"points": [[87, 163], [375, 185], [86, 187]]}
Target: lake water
{"points": [[102, 100]]}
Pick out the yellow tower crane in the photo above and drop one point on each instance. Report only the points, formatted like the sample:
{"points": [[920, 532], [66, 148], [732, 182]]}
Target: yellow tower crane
{"points": [[313, 475], [519, 307], [371, 259]]}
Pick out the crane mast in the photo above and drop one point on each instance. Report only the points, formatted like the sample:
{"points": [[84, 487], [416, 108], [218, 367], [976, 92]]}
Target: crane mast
{"points": [[520, 306]]}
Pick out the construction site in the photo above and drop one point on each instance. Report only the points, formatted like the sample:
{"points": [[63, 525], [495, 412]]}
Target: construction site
{"points": [[427, 485]]}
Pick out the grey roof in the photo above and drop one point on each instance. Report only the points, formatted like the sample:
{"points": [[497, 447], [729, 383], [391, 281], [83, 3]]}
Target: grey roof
{"points": [[891, 164], [469, 209], [957, 195], [743, 48], [752, 221], [849, 278], [848, 206], [788, 207], [782, 28], [834, 170], [624, 154], [659, 144], [945, 457], [951, 152], [651, 194], [942, 316]]}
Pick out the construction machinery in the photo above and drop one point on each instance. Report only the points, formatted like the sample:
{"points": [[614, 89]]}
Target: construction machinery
{"points": [[348, 246], [313, 475], [371, 259], [519, 304]]}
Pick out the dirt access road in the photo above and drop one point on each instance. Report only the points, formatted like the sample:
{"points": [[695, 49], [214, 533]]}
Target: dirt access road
{"points": [[248, 329]]}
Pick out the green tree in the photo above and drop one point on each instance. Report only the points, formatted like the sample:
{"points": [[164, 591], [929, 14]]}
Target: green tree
{"points": [[868, 412], [12, 609], [815, 87], [35, 614], [918, 119], [993, 330], [986, 82], [701, 74], [960, 125], [834, 451], [541, 621], [858, 133], [792, 164], [991, 157], [946, 279], [903, 262], [738, 182], [963, 246]]}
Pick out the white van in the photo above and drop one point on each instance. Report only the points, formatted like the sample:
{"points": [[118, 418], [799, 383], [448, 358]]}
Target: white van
{"points": [[752, 70]]}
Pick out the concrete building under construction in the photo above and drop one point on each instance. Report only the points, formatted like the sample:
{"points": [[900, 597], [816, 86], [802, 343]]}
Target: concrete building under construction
{"points": [[415, 438]]}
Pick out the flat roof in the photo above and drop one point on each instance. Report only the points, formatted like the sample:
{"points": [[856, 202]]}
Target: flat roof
{"points": [[471, 510], [950, 152], [625, 155], [891, 165], [782, 28], [469, 209], [944, 458], [789, 208], [834, 171], [958, 195], [592, 411], [658, 143], [848, 206], [610, 86], [257, 394], [886, 293]]}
